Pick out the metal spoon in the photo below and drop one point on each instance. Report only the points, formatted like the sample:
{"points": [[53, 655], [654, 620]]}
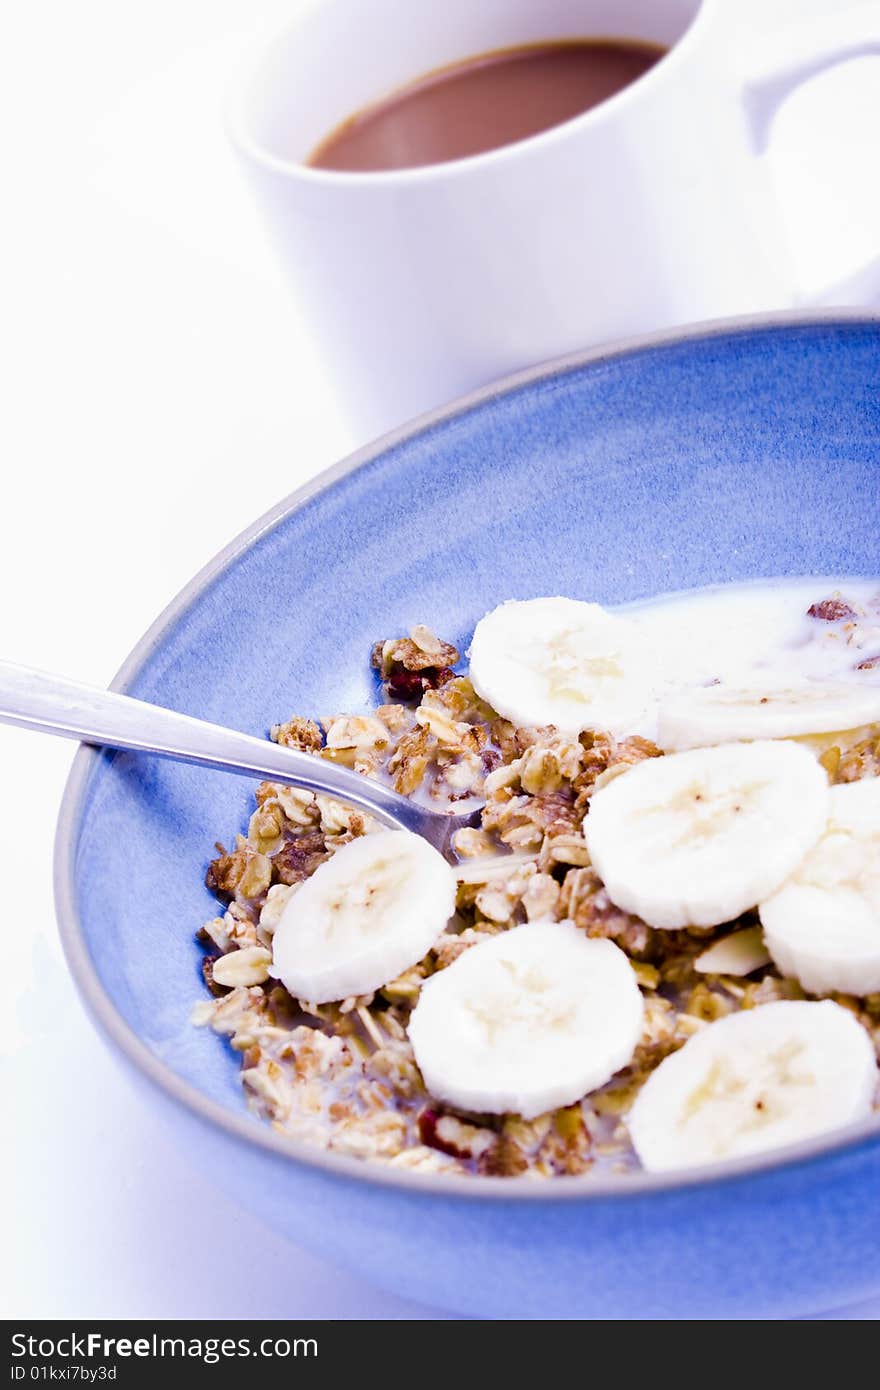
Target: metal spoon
{"points": [[55, 705]]}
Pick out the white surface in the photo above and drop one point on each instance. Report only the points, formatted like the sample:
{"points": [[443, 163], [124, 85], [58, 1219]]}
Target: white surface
{"points": [[158, 394]]}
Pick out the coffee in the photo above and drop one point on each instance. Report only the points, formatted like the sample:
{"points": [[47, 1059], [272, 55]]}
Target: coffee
{"points": [[484, 102]]}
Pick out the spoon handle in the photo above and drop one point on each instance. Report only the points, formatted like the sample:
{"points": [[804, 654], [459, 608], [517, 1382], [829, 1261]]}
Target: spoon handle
{"points": [[54, 705]]}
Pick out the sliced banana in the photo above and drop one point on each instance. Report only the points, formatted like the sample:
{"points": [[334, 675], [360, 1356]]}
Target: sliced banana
{"points": [[696, 838], [530, 1020], [823, 925], [754, 1081], [363, 917], [559, 661], [722, 713]]}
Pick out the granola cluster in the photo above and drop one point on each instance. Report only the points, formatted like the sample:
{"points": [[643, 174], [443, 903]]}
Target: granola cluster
{"points": [[343, 1075]]}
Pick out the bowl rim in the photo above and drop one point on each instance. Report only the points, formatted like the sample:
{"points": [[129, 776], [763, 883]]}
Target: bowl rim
{"points": [[247, 1128]]}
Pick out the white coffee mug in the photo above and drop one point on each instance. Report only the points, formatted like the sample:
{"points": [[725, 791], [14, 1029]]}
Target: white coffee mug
{"points": [[651, 210]]}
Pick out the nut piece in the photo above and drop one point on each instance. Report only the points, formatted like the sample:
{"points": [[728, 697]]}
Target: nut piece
{"points": [[297, 733], [413, 656], [247, 967], [831, 610]]}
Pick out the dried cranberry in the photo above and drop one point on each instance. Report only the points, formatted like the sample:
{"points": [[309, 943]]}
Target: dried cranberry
{"points": [[405, 685], [428, 1122]]}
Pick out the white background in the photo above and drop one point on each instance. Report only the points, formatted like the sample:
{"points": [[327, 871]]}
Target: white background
{"points": [[159, 393]]}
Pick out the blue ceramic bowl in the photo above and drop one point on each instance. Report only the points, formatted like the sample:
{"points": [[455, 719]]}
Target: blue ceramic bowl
{"points": [[722, 453]]}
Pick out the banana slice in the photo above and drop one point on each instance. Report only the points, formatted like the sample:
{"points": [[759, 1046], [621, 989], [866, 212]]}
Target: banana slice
{"points": [[363, 917], [694, 839], [726, 713], [563, 662], [823, 926], [530, 1020], [755, 1081]]}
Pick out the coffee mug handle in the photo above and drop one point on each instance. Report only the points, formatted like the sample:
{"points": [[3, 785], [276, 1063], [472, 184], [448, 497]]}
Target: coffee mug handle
{"points": [[790, 57]]}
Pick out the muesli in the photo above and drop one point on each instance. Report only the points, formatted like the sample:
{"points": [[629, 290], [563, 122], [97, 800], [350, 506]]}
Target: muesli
{"points": [[661, 947]]}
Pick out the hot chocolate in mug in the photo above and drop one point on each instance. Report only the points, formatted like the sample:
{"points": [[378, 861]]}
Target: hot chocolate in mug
{"points": [[653, 209]]}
